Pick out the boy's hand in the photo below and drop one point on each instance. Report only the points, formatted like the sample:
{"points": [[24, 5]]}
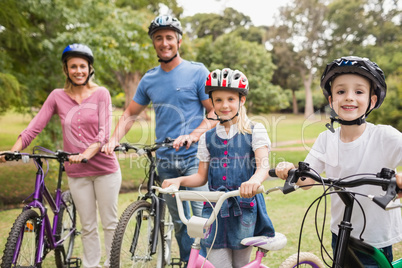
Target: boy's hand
{"points": [[398, 177], [283, 168]]}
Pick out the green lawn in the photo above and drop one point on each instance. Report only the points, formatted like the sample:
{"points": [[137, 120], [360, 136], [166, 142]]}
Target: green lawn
{"points": [[291, 136]]}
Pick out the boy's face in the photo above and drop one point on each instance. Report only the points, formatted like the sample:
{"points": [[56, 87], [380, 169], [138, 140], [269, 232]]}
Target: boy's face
{"points": [[165, 43], [350, 96]]}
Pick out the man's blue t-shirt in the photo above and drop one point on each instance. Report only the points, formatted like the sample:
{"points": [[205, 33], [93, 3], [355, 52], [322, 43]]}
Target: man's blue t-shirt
{"points": [[176, 98]]}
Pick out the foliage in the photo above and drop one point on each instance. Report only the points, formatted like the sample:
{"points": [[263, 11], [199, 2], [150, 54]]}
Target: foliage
{"points": [[251, 58]]}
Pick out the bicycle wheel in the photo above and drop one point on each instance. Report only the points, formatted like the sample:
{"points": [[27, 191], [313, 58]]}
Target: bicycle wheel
{"points": [[306, 259], [22, 241], [65, 224], [168, 228], [131, 241]]}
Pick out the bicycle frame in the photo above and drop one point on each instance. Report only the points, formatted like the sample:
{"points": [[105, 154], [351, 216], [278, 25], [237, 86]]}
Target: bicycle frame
{"points": [[196, 225], [47, 229], [385, 178]]}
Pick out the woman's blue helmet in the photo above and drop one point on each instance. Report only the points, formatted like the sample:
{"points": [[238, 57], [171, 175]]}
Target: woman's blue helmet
{"points": [[78, 50]]}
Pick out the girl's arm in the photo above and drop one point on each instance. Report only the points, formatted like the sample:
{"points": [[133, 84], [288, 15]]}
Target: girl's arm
{"points": [[249, 188], [197, 179]]}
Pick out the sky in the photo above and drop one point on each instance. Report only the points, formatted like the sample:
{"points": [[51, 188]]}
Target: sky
{"points": [[261, 12]]}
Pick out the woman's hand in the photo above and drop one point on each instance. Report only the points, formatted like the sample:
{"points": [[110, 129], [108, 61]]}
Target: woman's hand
{"points": [[108, 148], [76, 159]]}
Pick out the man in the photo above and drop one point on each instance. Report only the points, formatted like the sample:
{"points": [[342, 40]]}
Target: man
{"points": [[176, 90]]}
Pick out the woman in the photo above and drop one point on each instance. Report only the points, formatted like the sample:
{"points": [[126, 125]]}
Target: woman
{"points": [[84, 109]]}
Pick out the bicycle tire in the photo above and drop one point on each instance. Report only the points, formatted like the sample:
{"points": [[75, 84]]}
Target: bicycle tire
{"points": [[168, 234], [133, 233], [27, 227], [65, 223], [306, 259]]}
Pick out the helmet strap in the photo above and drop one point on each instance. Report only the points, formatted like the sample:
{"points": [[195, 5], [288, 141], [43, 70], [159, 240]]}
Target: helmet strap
{"points": [[86, 81], [217, 116], [167, 61]]}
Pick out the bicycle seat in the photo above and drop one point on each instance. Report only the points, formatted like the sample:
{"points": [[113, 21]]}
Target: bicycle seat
{"points": [[268, 243]]}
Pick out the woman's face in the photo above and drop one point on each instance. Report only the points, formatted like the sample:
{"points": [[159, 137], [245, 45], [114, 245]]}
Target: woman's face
{"points": [[78, 70]]}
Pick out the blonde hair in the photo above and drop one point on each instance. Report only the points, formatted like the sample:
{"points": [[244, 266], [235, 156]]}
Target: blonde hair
{"points": [[244, 124], [67, 83]]}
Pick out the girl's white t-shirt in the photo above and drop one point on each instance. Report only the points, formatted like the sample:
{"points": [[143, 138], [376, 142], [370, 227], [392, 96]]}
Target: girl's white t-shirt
{"points": [[378, 147], [259, 138]]}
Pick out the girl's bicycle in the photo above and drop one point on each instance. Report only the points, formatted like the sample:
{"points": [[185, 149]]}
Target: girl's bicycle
{"points": [[144, 233], [33, 235], [197, 227], [344, 256]]}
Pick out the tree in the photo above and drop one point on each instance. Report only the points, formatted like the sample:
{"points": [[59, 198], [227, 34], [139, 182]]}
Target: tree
{"points": [[251, 58], [304, 23]]}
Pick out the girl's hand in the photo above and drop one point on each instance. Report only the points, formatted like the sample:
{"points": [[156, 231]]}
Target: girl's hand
{"points": [[283, 168], [166, 183], [249, 188]]}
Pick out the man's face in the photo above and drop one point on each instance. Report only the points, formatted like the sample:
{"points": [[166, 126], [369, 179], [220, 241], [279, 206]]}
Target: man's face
{"points": [[165, 43]]}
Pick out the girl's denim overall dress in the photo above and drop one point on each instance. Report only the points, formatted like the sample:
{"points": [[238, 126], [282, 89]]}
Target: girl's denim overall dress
{"points": [[233, 162]]}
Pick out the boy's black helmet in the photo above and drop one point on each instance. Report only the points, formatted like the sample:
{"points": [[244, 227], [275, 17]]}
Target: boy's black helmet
{"points": [[355, 65], [78, 50]]}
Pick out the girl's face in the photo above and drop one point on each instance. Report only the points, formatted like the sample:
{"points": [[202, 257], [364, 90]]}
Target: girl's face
{"points": [[78, 70], [165, 43], [226, 104], [350, 96]]}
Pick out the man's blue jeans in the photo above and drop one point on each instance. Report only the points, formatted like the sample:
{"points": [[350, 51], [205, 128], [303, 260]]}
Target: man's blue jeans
{"points": [[168, 169]]}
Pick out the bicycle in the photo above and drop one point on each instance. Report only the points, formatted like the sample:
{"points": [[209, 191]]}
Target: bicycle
{"points": [[144, 232], [197, 227], [32, 235], [344, 256]]}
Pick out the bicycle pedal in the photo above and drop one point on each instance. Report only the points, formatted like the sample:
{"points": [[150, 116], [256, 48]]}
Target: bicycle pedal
{"points": [[74, 262], [177, 263]]}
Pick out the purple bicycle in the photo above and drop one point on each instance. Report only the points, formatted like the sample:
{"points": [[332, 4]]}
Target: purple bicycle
{"points": [[32, 235]]}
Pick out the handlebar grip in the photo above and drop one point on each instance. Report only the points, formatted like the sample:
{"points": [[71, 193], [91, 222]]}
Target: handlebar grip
{"points": [[272, 173], [84, 160]]}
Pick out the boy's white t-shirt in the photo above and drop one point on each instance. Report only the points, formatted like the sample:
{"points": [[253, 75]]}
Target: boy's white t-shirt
{"points": [[259, 138], [379, 146]]}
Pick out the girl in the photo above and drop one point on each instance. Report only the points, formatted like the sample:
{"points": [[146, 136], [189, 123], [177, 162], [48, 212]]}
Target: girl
{"points": [[232, 155], [84, 109]]}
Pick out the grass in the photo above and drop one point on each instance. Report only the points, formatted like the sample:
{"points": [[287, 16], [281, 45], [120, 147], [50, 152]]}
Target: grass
{"points": [[291, 136]]}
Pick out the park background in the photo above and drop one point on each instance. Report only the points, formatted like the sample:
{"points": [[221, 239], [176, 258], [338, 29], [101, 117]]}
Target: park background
{"points": [[283, 62]]}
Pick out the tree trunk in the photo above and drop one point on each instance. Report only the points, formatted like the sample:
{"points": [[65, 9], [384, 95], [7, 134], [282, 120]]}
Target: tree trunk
{"points": [[309, 106], [294, 101], [129, 82]]}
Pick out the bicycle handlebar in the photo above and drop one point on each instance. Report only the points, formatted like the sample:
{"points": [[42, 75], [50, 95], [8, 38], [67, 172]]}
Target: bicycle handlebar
{"points": [[59, 155], [125, 147], [210, 196], [386, 179]]}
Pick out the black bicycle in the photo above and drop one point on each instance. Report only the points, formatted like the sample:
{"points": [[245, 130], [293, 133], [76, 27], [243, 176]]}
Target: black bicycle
{"points": [[344, 255], [144, 233]]}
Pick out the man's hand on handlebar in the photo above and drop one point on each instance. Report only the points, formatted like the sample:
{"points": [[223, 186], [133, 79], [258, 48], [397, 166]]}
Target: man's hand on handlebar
{"points": [[184, 140]]}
